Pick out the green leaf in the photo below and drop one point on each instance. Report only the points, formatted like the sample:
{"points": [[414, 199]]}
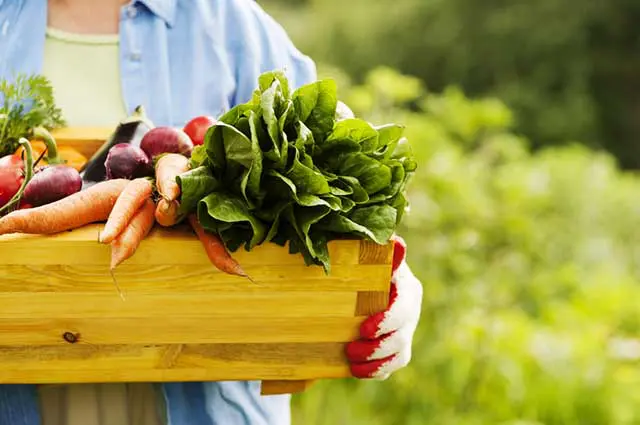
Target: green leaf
{"points": [[351, 135], [303, 199], [316, 106], [302, 218], [389, 135], [235, 158], [400, 204], [371, 173], [376, 222], [267, 79], [250, 185], [218, 209], [194, 185], [402, 150], [198, 156], [359, 194], [267, 103], [235, 114], [306, 180]]}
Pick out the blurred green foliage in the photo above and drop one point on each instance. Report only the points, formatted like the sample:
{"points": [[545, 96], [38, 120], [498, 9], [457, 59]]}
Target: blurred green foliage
{"points": [[529, 262], [567, 69]]}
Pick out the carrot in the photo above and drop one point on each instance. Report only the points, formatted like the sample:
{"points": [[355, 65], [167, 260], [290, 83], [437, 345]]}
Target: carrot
{"points": [[127, 242], [215, 249], [168, 167], [130, 200], [167, 212], [87, 206]]}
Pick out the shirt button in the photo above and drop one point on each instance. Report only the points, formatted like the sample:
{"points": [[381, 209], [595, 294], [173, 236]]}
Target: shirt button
{"points": [[5, 27], [135, 57]]}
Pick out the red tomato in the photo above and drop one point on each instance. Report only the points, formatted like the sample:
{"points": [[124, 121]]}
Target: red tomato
{"points": [[197, 128], [11, 161], [10, 181]]}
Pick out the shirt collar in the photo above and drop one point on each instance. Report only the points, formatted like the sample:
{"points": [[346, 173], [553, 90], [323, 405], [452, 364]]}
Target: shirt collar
{"points": [[164, 9]]}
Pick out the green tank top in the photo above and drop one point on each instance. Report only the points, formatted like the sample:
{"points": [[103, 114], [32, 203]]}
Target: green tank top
{"points": [[85, 73]]}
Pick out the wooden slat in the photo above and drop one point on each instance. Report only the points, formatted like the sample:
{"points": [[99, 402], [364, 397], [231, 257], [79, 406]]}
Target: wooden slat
{"points": [[162, 247], [371, 302], [86, 140], [214, 306], [138, 363], [284, 387], [184, 279], [179, 330], [373, 253]]}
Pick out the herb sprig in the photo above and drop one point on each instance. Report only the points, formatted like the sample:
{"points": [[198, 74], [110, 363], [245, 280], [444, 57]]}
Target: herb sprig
{"points": [[26, 102]]}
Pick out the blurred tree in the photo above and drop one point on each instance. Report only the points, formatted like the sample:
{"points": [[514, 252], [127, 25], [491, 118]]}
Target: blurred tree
{"points": [[529, 264], [568, 69]]}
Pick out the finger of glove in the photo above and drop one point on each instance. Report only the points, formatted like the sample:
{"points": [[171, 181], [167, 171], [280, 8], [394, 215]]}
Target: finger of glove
{"points": [[399, 252], [382, 368], [387, 345], [405, 299]]}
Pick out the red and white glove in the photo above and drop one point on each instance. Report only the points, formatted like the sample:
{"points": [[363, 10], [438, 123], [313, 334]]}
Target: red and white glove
{"points": [[386, 338]]}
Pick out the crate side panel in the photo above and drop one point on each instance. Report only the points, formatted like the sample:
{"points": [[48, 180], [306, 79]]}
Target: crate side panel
{"points": [[183, 279], [179, 330], [163, 246], [134, 363], [165, 306]]}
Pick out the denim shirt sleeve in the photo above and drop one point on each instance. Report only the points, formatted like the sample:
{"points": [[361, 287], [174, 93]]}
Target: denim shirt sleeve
{"points": [[262, 45]]}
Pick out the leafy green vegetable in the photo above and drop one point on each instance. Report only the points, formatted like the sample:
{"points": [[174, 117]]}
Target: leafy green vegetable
{"points": [[281, 169], [26, 103]]}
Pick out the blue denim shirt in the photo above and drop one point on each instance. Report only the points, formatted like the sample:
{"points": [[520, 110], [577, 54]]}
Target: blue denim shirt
{"points": [[180, 59]]}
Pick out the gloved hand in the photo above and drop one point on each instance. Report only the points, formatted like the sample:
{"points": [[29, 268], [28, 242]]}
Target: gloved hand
{"points": [[386, 338]]}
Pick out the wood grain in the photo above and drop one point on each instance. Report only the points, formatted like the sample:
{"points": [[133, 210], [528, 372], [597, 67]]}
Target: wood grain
{"points": [[86, 140], [85, 363], [179, 330], [373, 253], [371, 302], [166, 306], [284, 387], [163, 246], [185, 279]]}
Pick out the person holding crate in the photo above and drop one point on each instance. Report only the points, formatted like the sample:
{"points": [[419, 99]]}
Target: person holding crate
{"points": [[179, 58]]}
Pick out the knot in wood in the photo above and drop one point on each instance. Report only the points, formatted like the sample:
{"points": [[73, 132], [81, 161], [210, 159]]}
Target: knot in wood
{"points": [[71, 337]]}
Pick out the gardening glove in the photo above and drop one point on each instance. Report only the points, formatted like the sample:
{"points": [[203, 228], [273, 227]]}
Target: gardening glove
{"points": [[386, 337]]}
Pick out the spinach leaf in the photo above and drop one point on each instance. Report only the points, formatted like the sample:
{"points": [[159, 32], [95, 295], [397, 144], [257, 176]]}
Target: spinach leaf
{"points": [[219, 208], [194, 185]]}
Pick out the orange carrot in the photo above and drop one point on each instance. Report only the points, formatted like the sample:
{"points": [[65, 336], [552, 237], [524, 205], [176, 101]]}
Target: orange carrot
{"points": [[127, 242], [87, 206], [129, 201], [215, 249], [168, 167], [167, 212]]}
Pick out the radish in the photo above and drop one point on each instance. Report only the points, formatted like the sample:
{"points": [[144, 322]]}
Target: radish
{"points": [[50, 184], [126, 161], [161, 140], [197, 128]]}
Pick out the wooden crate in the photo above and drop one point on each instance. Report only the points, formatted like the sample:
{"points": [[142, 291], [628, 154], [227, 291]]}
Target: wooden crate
{"points": [[62, 319]]}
